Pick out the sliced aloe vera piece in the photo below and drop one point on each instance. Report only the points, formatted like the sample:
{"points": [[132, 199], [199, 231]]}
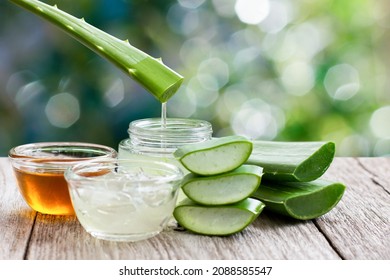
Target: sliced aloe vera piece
{"points": [[217, 220], [292, 161], [215, 156], [300, 200], [225, 188]]}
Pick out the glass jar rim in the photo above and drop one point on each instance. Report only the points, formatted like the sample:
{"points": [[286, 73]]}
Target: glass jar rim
{"points": [[83, 171], [173, 126], [57, 155]]}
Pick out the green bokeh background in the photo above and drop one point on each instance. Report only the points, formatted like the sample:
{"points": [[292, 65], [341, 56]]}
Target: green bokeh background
{"points": [[278, 70]]}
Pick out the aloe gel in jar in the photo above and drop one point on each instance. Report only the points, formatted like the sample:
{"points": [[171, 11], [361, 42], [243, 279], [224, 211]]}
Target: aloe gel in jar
{"points": [[158, 138], [155, 138]]}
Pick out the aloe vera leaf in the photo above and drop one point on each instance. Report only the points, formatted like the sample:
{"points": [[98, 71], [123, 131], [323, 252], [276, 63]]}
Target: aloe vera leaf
{"points": [[217, 220], [161, 81], [300, 200], [225, 188], [292, 161], [215, 156]]}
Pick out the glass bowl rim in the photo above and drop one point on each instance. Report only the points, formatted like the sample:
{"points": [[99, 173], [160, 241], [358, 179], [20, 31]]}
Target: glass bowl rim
{"points": [[175, 173], [22, 155]]}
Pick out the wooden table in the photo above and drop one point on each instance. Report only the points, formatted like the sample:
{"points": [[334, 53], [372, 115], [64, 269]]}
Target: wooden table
{"points": [[357, 228]]}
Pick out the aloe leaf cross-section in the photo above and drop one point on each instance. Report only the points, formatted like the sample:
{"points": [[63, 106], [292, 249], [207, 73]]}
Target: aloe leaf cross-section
{"points": [[151, 73], [300, 200], [225, 188], [217, 220], [292, 161], [215, 156]]}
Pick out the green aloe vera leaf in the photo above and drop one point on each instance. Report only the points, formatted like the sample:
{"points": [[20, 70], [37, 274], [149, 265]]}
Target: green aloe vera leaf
{"points": [[292, 161], [300, 200], [226, 188], [217, 220], [161, 81], [215, 156]]}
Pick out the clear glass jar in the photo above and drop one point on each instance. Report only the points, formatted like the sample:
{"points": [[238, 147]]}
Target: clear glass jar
{"points": [[150, 139]]}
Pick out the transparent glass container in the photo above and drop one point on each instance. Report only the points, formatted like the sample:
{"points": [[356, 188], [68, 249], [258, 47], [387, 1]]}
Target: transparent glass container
{"points": [[123, 199], [150, 139], [39, 170]]}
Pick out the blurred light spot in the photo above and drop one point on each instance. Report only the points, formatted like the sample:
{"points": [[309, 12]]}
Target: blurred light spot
{"points": [[190, 23], [354, 145], [224, 8], [62, 110], [175, 16], [382, 147], [209, 26], [200, 95], [115, 93], [180, 105], [342, 82], [278, 17], [213, 74], [191, 4], [229, 102], [302, 41], [28, 92], [252, 11], [255, 119], [277, 47], [309, 38], [184, 21], [245, 56], [239, 40], [19, 79], [194, 50], [298, 78], [234, 97], [380, 122]]}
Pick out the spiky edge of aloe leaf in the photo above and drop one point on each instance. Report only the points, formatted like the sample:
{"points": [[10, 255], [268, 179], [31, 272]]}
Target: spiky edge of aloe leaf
{"points": [[151, 73]]}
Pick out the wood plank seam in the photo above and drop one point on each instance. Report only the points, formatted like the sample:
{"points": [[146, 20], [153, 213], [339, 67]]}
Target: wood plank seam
{"points": [[28, 243], [372, 176], [329, 240], [379, 184]]}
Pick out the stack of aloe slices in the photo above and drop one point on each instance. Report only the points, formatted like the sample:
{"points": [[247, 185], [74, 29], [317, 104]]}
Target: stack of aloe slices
{"points": [[232, 179], [218, 186]]}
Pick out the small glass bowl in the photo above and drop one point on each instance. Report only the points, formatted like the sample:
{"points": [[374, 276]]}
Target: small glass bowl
{"points": [[39, 169], [124, 199]]}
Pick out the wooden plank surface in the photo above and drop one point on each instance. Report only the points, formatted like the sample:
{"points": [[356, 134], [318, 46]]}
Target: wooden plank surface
{"points": [[270, 237], [16, 218], [378, 170], [358, 228]]}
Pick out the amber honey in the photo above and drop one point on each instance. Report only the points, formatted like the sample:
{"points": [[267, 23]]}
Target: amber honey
{"points": [[39, 170], [45, 192]]}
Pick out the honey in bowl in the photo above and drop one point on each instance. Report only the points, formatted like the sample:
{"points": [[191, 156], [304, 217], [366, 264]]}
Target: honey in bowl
{"points": [[39, 169]]}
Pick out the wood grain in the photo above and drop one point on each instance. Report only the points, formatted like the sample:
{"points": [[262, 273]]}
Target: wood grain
{"points": [[357, 228], [270, 237], [16, 218], [379, 170]]}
